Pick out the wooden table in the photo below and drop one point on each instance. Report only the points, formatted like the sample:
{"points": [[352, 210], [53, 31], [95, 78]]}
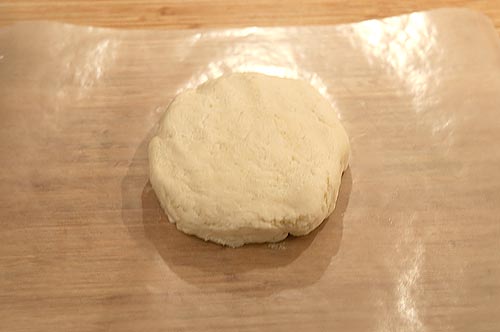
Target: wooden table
{"points": [[413, 244], [174, 14]]}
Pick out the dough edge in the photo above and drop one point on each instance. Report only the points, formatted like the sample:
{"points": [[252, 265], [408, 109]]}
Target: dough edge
{"points": [[235, 237]]}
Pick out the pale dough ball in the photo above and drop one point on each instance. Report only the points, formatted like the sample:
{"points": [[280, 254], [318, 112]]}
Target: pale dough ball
{"points": [[248, 158]]}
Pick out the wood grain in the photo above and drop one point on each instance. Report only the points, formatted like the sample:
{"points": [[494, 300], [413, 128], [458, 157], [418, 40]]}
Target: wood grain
{"points": [[224, 13], [413, 244]]}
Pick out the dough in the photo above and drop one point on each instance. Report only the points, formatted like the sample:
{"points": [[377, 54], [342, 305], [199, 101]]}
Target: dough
{"points": [[248, 158]]}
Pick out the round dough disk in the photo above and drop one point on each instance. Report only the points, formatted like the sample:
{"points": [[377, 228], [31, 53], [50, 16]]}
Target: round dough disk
{"points": [[248, 158]]}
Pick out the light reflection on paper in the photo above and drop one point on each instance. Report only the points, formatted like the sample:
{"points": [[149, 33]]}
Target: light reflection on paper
{"points": [[93, 65], [274, 59], [408, 281], [412, 252], [408, 46], [404, 45], [234, 33]]}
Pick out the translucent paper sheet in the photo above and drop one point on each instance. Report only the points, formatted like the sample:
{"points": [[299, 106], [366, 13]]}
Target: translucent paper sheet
{"points": [[413, 245]]}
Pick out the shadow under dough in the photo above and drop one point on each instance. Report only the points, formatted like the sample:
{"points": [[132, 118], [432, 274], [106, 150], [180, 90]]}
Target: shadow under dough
{"points": [[260, 269]]}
